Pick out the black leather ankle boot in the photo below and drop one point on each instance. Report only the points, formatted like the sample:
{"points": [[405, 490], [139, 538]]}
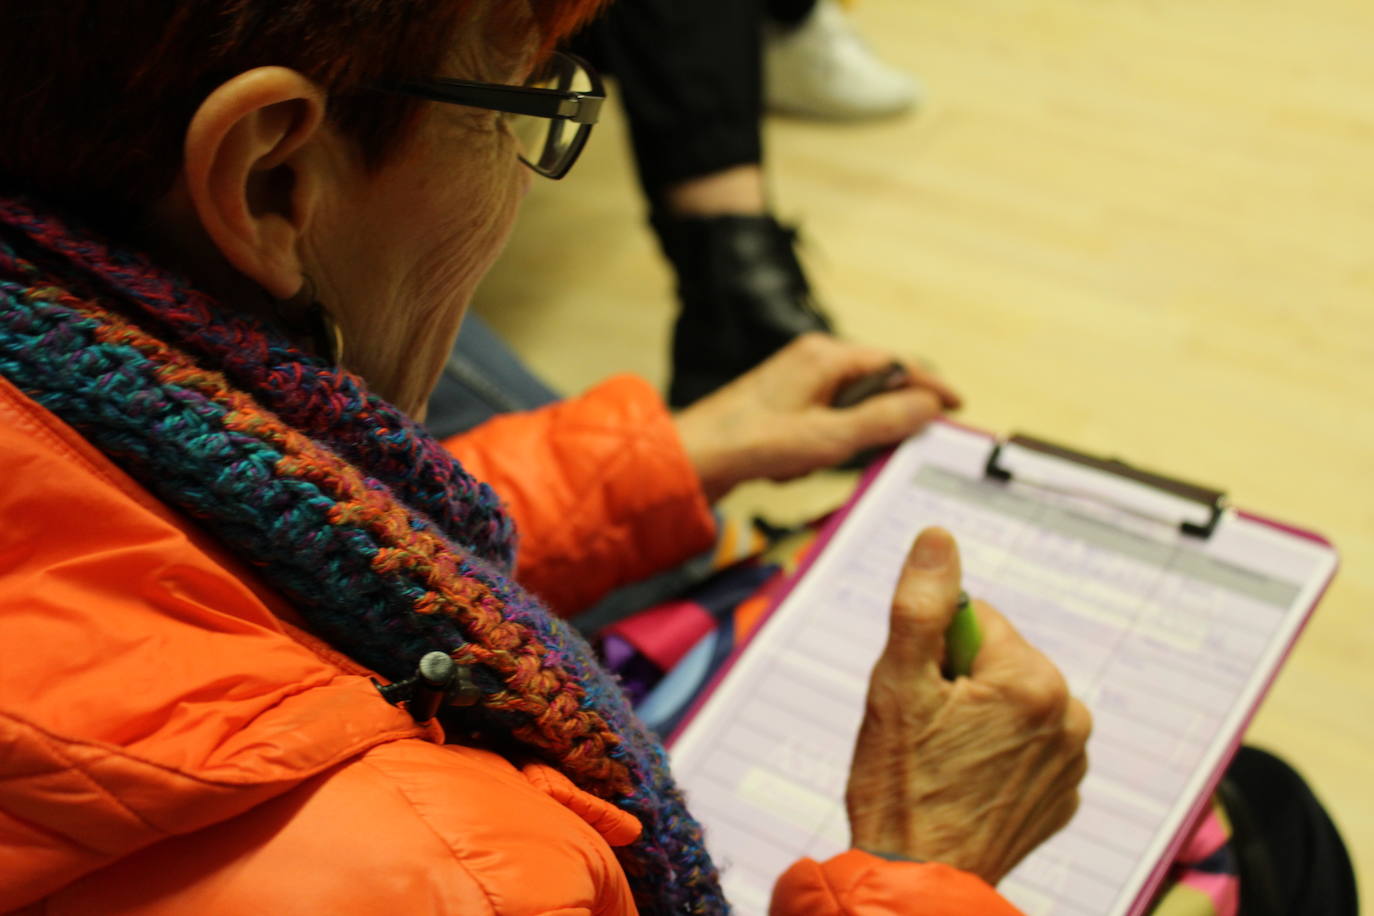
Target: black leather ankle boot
{"points": [[743, 296]]}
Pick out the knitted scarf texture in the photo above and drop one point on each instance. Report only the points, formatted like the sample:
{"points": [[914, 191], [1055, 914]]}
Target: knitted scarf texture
{"points": [[380, 538]]}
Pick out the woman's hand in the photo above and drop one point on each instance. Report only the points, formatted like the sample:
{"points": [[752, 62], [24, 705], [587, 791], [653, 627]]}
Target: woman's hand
{"points": [[776, 421], [975, 772]]}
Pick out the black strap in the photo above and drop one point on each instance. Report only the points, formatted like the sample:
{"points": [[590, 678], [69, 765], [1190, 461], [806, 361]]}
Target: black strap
{"points": [[1259, 895]]}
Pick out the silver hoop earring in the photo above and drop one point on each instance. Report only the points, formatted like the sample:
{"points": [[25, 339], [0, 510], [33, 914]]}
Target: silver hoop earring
{"points": [[327, 339], [309, 320]]}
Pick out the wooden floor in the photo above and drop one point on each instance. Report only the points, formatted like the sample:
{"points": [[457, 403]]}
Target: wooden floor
{"points": [[1144, 228]]}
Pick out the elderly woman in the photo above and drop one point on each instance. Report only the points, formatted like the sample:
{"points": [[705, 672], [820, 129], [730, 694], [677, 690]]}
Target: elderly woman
{"points": [[236, 243]]}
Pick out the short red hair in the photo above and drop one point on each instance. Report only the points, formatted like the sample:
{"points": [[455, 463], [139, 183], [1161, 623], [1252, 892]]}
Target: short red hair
{"points": [[95, 97]]}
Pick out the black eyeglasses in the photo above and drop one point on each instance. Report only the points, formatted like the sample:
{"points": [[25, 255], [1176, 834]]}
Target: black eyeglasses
{"points": [[551, 115]]}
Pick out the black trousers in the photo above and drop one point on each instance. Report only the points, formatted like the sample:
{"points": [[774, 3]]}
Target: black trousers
{"points": [[1292, 859], [690, 77]]}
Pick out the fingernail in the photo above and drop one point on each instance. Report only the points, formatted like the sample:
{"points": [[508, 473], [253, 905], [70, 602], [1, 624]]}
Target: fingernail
{"points": [[932, 552]]}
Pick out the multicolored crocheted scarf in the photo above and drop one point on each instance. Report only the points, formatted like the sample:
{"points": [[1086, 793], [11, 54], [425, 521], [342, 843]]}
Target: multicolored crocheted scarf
{"points": [[388, 547]]}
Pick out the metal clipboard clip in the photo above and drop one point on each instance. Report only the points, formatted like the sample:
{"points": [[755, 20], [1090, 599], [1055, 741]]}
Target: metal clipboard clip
{"points": [[1194, 509]]}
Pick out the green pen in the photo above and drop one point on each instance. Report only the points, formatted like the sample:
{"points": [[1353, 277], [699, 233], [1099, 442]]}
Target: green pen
{"points": [[962, 640]]}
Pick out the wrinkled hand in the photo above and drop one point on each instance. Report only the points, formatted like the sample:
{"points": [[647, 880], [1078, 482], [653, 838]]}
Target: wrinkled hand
{"points": [[975, 772], [776, 422]]}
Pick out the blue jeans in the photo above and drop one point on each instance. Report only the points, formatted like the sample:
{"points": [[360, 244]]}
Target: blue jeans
{"points": [[482, 378]]}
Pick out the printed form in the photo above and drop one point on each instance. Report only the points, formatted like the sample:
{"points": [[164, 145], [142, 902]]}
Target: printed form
{"points": [[1169, 639]]}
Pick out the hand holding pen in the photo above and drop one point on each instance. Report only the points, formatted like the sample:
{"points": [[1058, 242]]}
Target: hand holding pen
{"points": [[973, 771]]}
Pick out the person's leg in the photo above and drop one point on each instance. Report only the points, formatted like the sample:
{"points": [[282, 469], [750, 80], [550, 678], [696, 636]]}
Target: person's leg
{"points": [[482, 378], [1292, 859], [690, 79], [743, 295]]}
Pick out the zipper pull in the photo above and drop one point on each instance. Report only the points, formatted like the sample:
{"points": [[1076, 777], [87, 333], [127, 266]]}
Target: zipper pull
{"points": [[438, 681]]}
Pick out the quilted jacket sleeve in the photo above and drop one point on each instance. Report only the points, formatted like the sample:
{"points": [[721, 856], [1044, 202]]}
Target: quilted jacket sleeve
{"points": [[600, 487], [856, 883]]}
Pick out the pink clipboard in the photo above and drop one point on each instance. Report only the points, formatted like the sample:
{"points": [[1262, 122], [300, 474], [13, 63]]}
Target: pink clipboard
{"points": [[1146, 896], [1200, 806]]}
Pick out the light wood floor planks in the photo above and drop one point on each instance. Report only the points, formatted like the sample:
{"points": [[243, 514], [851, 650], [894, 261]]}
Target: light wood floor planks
{"points": [[1144, 228]]}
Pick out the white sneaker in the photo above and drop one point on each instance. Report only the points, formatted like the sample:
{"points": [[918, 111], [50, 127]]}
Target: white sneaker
{"points": [[823, 68]]}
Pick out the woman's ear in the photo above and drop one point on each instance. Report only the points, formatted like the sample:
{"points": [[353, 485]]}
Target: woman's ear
{"points": [[253, 175]]}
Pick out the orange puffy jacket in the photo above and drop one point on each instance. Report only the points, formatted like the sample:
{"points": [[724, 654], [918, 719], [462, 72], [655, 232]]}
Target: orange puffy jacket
{"points": [[171, 743]]}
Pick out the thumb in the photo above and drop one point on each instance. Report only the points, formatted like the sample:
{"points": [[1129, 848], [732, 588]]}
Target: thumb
{"points": [[924, 604]]}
